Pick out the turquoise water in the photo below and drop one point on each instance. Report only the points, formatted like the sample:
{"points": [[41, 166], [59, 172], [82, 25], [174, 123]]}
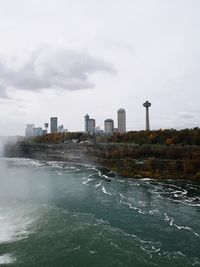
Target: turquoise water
{"points": [[61, 214]]}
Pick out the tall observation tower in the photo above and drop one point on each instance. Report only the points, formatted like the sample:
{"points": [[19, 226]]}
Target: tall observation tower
{"points": [[147, 104]]}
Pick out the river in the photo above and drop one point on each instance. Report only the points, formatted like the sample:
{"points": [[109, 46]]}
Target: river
{"points": [[61, 214]]}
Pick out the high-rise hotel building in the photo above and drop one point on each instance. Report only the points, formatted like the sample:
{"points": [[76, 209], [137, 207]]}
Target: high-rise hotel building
{"points": [[121, 118], [54, 124], [89, 125], [109, 126]]}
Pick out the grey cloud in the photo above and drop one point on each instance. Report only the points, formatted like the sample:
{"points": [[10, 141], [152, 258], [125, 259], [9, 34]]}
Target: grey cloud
{"points": [[196, 111], [185, 115], [51, 68]]}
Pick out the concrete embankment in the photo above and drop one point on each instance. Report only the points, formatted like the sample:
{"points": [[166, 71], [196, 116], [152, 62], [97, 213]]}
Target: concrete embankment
{"points": [[175, 162]]}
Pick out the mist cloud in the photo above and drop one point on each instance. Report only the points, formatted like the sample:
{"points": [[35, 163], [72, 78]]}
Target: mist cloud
{"points": [[52, 68], [3, 93]]}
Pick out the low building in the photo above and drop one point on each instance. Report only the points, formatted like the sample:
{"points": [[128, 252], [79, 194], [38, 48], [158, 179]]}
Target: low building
{"points": [[44, 132], [46, 126], [37, 131], [97, 129], [61, 129]]}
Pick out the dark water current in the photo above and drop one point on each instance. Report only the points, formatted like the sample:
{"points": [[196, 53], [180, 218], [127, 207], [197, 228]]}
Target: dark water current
{"points": [[59, 214]]}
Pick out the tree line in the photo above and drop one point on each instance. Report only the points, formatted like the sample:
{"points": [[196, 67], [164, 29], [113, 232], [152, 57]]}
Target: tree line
{"points": [[159, 137]]}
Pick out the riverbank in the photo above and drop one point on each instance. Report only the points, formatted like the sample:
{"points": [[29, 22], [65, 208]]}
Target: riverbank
{"points": [[166, 162]]}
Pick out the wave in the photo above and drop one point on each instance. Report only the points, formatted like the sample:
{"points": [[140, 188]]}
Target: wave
{"points": [[99, 184], [185, 193], [138, 209], [105, 192], [56, 164], [146, 179], [179, 227], [87, 180], [36, 163]]}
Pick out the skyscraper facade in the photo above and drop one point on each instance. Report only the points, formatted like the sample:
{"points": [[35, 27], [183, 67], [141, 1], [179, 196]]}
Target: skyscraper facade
{"points": [[108, 126], [54, 124], [121, 118], [86, 122], [91, 126]]}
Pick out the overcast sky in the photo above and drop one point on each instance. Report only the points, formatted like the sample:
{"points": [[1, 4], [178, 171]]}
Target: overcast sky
{"points": [[66, 58]]}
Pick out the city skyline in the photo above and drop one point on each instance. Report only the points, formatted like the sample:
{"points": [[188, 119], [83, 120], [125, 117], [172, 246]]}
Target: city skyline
{"points": [[89, 126], [60, 58]]}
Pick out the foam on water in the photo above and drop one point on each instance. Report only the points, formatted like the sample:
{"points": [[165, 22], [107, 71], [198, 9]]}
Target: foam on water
{"points": [[6, 259], [36, 163], [87, 180], [177, 194], [146, 179], [142, 208], [55, 164]]}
